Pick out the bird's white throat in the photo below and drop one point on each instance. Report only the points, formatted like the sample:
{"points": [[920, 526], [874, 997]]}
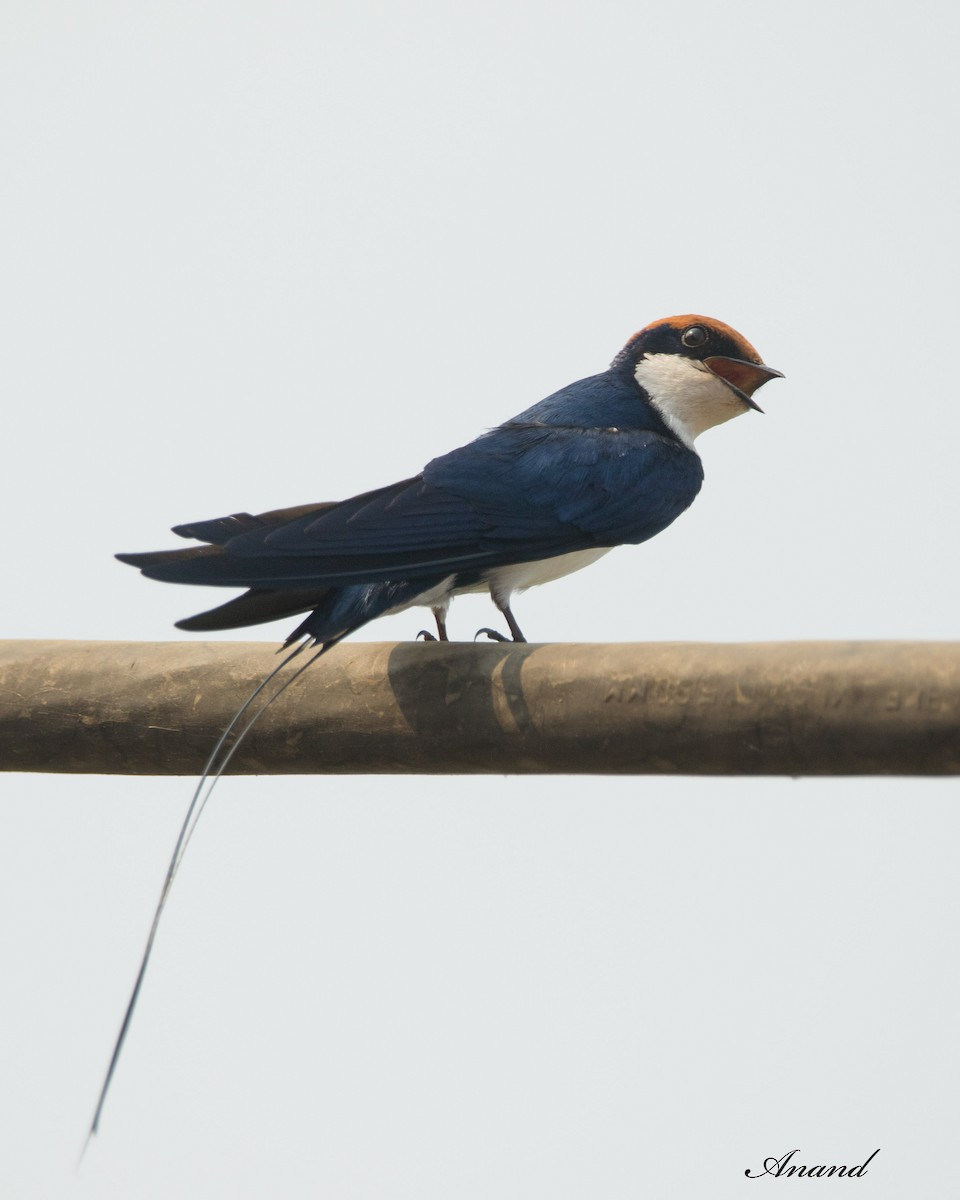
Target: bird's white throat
{"points": [[688, 396]]}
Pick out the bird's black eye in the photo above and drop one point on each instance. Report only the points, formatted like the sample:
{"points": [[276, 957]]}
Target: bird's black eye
{"points": [[695, 336]]}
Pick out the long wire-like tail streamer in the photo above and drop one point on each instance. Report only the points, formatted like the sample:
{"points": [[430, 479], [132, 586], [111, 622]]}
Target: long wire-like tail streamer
{"points": [[197, 804]]}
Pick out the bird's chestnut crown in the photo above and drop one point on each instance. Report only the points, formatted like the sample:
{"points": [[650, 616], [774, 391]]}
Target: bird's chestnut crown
{"points": [[690, 335]]}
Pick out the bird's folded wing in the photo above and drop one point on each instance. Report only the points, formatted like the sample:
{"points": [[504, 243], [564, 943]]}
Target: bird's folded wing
{"points": [[517, 494]]}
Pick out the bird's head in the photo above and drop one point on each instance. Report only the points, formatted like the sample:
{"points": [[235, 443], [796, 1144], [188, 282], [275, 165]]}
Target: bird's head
{"points": [[696, 371]]}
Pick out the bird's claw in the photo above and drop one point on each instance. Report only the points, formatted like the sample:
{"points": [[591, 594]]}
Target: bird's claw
{"points": [[493, 634], [426, 635]]}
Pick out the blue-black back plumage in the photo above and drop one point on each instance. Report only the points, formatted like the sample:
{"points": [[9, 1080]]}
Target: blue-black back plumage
{"points": [[537, 486]]}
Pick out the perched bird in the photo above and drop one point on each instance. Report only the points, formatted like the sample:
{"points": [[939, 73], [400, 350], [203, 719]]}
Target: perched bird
{"points": [[605, 461]]}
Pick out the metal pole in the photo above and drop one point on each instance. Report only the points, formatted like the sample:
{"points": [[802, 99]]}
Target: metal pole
{"points": [[794, 708]]}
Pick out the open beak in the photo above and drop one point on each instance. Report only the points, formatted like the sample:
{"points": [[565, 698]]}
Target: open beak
{"points": [[742, 376]]}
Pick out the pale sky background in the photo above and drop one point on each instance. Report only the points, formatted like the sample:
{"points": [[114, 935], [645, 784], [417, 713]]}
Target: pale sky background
{"points": [[255, 254]]}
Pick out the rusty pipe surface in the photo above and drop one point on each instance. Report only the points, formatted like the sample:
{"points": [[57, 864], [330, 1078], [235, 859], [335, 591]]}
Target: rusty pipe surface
{"points": [[791, 708]]}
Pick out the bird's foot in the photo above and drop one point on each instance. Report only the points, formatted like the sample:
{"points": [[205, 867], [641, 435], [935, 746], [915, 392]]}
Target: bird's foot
{"points": [[426, 636], [493, 634]]}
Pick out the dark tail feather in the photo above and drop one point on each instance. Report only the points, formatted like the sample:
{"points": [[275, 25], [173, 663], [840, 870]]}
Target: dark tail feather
{"points": [[218, 532], [252, 608], [209, 565], [150, 558], [221, 529]]}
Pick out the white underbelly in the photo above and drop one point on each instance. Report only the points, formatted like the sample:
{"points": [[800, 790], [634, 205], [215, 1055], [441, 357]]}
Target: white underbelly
{"points": [[501, 581], [435, 597], [519, 576]]}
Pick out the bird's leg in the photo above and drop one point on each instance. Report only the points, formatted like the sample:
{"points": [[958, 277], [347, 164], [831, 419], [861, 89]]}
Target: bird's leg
{"points": [[440, 616], [503, 603], [512, 622]]}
